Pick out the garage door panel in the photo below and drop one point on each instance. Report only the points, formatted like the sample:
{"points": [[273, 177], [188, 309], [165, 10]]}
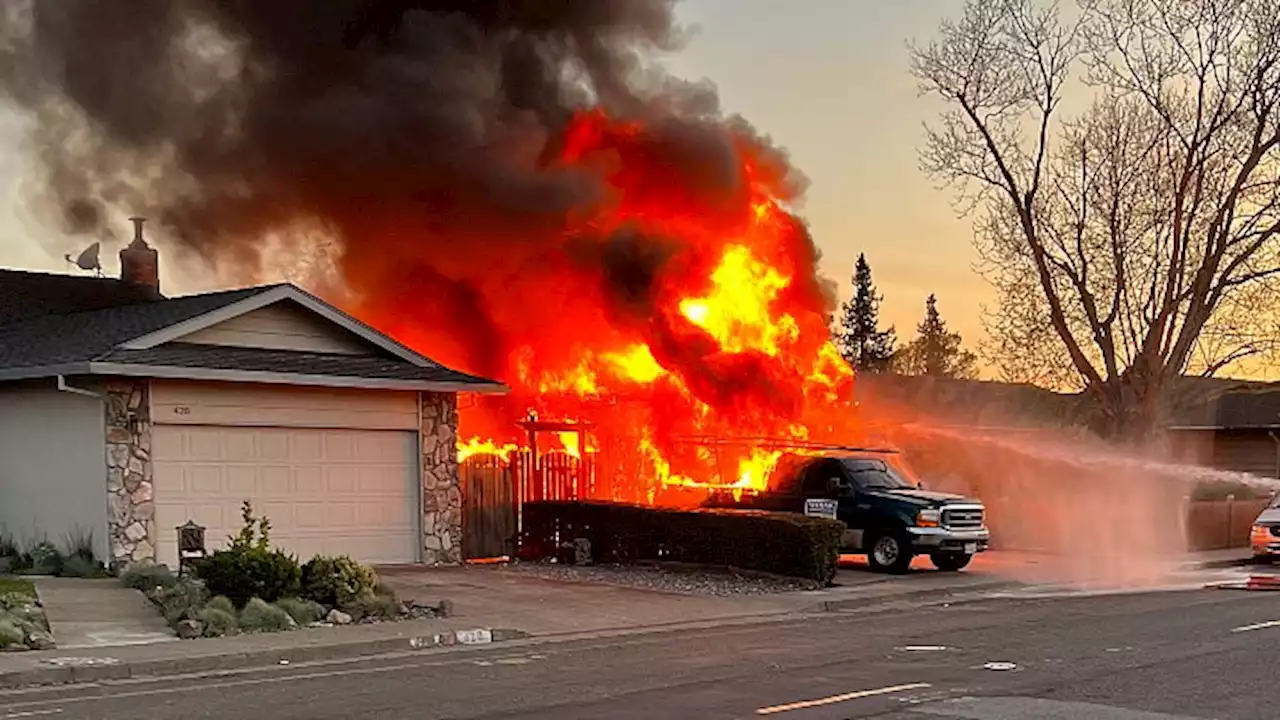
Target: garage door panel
{"points": [[336, 491]]}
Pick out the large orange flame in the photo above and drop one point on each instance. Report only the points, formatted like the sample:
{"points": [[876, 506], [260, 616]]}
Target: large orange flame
{"points": [[665, 315]]}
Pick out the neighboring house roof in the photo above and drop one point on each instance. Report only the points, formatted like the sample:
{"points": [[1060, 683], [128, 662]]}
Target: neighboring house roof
{"points": [[144, 338], [1241, 409], [28, 295]]}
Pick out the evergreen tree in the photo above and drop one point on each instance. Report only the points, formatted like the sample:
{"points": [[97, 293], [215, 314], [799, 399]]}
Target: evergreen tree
{"points": [[936, 351], [862, 343]]}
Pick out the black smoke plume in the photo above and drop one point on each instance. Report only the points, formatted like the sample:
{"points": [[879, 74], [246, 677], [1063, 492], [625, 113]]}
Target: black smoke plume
{"points": [[420, 134]]}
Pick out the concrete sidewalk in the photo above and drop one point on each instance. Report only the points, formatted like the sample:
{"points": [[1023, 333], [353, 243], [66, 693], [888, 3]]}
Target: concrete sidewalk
{"points": [[99, 613]]}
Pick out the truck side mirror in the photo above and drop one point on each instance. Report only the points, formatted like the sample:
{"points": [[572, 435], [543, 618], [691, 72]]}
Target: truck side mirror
{"points": [[834, 486]]}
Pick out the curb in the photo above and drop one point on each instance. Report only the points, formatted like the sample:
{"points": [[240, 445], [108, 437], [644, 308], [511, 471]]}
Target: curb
{"points": [[939, 594], [90, 672]]}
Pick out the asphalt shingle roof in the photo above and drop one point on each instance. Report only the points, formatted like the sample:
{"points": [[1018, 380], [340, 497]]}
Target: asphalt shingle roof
{"points": [[85, 336], [219, 357], [53, 320], [29, 295], [1238, 409]]}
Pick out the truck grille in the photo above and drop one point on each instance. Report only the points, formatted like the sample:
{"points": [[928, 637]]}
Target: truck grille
{"points": [[962, 518], [1275, 530]]}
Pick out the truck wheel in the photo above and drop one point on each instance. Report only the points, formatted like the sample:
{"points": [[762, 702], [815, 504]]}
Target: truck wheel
{"points": [[950, 562], [890, 552]]}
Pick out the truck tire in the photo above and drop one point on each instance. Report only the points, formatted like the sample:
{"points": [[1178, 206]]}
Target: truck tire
{"points": [[890, 552], [950, 562]]}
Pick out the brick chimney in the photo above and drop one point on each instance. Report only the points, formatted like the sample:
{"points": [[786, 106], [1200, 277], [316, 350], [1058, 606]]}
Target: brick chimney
{"points": [[140, 263]]}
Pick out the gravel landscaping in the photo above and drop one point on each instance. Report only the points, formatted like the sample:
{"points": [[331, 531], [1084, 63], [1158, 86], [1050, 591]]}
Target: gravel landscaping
{"points": [[683, 580]]}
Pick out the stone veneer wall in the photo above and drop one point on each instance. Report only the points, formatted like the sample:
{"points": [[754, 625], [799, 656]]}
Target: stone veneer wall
{"points": [[441, 483], [130, 508]]}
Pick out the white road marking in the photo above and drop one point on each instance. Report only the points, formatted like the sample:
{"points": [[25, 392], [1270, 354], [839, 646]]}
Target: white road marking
{"points": [[840, 698], [32, 713], [924, 648], [1257, 626]]}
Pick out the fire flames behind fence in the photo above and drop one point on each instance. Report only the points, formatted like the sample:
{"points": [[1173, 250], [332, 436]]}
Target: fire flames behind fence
{"points": [[729, 338]]}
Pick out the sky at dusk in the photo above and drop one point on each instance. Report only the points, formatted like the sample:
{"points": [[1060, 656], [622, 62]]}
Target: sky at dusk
{"points": [[825, 79]]}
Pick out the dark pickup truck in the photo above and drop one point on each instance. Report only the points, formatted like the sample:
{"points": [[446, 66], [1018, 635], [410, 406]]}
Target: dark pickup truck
{"points": [[886, 516]]}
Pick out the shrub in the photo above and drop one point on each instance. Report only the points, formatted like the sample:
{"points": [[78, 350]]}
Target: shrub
{"points": [[249, 568], [77, 566], [780, 543], [217, 621], [79, 544], [372, 606], [261, 616], [147, 576], [244, 573], [10, 633], [181, 600], [45, 559], [301, 610], [8, 546], [336, 581], [221, 602]]}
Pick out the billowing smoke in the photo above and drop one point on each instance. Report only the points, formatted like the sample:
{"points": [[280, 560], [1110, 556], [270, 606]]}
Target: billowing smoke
{"points": [[448, 146]]}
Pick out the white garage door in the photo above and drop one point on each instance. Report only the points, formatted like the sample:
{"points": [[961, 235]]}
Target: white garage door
{"points": [[330, 491]]}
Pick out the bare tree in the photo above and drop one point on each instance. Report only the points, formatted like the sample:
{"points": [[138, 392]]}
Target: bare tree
{"points": [[1119, 237]]}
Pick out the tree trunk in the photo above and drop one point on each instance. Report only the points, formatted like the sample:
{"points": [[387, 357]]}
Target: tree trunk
{"points": [[1129, 410]]}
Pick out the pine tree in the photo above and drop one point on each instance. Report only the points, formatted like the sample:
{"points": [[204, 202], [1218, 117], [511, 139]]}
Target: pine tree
{"points": [[862, 343], [936, 351]]}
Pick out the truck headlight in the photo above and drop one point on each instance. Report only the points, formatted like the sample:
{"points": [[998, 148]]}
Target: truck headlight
{"points": [[929, 517]]}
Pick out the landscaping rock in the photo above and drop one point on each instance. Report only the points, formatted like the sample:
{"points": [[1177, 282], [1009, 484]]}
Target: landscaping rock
{"points": [[40, 640], [189, 629], [337, 617]]}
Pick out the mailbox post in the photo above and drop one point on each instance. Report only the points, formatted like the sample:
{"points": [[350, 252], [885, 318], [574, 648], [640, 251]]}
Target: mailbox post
{"points": [[190, 545]]}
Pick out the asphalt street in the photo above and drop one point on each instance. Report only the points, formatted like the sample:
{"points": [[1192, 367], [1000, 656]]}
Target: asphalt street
{"points": [[1160, 656]]}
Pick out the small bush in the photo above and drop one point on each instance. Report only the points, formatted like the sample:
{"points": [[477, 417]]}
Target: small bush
{"points": [[244, 573], [8, 546], [337, 580], [249, 568], [261, 616], [217, 621], [45, 559], [10, 633], [79, 544], [147, 576], [77, 566], [221, 602], [21, 620], [182, 600], [780, 543], [301, 610], [372, 606]]}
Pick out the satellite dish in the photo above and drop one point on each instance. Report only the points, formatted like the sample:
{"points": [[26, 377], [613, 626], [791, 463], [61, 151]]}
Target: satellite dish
{"points": [[89, 259]]}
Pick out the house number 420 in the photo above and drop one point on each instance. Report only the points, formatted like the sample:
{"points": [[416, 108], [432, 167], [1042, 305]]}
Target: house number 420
{"points": [[182, 410]]}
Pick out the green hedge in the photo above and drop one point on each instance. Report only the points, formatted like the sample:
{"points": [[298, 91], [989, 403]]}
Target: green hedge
{"points": [[780, 543]]}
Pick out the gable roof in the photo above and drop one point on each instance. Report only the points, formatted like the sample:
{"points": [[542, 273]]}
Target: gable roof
{"points": [[29, 295], [144, 339]]}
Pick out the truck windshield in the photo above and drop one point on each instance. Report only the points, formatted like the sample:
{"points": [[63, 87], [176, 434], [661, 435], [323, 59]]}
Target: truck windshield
{"points": [[875, 475]]}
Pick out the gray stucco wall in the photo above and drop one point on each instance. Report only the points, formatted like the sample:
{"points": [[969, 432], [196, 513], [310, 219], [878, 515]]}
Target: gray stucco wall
{"points": [[51, 465]]}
